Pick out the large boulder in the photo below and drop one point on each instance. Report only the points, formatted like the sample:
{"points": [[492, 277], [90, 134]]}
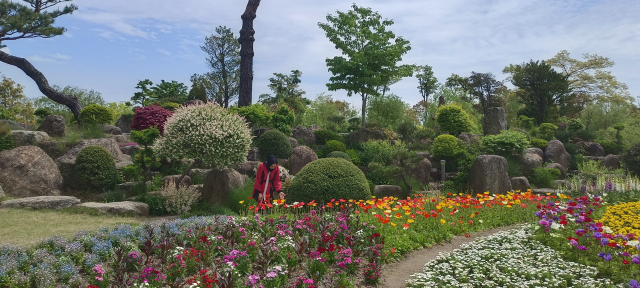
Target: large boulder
{"points": [[55, 149], [530, 161], [41, 202], [129, 149], [27, 172], [252, 155], [219, 184], [199, 173], [294, 142], [301, 156], [563, 171], [314, 127], [469, 138], [592, 149], [611, 162], [124, 207], [387, 191], [124, 123], [363, 135], [489, 173], [247, 168], [520, 184], [555, 152], [495, 120], [421, 171], [26, 138], [534, 150], [67, 162], [113, 130], [17, 126], [54, 125], [425, 155], [306, 135], [122, 139]]}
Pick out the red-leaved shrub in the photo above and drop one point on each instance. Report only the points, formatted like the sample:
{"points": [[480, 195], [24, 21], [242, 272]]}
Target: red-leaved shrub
{"points": [[147, 117]]}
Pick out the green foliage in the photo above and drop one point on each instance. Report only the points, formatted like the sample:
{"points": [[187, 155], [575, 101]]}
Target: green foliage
{"points": [[354, 155], [6, 138], [92, 131], [546, 131], [5, 129], [94, 114], [387, 111], [543, 177], [256, 114], [95, 169], [379, 151], [334, 145], [24, 21], [326, 179], [145, 137], [274, 142], [339, 154], [131, 173], [222, 83], [325, 135], [447, 147], [526, 122], [171, 106], [610, 147], [165, 91], [286, 89], [283, 118], [513, 167], [576, 161], [575, 125], [564, 136], [505, 143], [585, 135], [85, 98], [13, 103], [157, 206], [631, 159], [457, 184], [42, 113], [453, 119], [334, 115]]}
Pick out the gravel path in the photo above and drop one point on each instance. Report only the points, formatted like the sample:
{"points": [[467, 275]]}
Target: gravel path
{"points": [[395, 274]]}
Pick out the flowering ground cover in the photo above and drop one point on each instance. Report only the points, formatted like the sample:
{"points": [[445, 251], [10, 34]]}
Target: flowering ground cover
{"points": [[507, 259]]}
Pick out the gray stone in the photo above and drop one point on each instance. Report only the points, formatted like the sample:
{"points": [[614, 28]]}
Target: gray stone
{"points": [[41, 202], [113, 130], [469, 138], [435, 174], [247, 168], [17, 126], [594, 158], [314, 127], [128, 207], [611, 162], [563, 172], [387, 191], [300, 157], [185, 181], [426, 155], [562, 184], [306, 135], [122, 139], [124, 123], [528, 162], [489, 173], [495, 120], [534, 150], [53, 125], [520, 184], [421, 171], [555, 152], [294, 142], [592, 149], [544, 191], [26, 138], [283, 163], [364, 135], [252, 155], [219, 184], [27, 172], [202, 173], [129, 149], [55, 149]]}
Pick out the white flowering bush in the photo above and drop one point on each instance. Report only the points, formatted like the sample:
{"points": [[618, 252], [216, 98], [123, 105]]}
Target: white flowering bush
{"points": [[506, 259], [179, 199], [208, 133]]}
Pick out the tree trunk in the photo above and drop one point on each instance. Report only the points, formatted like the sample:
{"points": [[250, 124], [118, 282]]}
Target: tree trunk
{"points": [[43, 84], [246, 53], [364, 108]]}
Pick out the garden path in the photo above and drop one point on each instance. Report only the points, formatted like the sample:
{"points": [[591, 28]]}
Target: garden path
{"points": [[395, 274]]}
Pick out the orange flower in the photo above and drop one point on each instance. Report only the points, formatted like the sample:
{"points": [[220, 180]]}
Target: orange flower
{"points": [[405, 225], [398, 215]]}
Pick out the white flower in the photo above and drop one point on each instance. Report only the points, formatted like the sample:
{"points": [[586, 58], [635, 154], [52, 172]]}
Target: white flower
{"points": [[556, 226], [607, 229], [633, 243]]}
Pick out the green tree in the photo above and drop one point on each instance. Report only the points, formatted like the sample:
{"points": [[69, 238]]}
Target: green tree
{"points": [[198, 88], [85, 97], [428, 84], [387, 111], [544, 92], [223, 51], [287, 88], [13, 104], [173, 91], [328, 113], [372, 53], [18, 21], [485, 88]]}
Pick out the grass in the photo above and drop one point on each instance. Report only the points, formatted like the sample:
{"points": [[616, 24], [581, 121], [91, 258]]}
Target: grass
{"points": [[27, 226]]}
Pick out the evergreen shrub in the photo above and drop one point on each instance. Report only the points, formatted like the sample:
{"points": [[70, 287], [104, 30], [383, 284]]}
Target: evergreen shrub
{"points": [[94, 114], [354, 155], [339, 154], [95, 169], [274, 142], [447, 147], [453, 119], [539, 143], [334, 145], [546, 131], [325, 135], [609, 146], [329, 178], [506, 142], [631, 159]]}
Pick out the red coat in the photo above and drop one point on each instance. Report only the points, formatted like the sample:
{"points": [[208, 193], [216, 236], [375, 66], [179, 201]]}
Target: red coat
{"points": [[261, 177]]}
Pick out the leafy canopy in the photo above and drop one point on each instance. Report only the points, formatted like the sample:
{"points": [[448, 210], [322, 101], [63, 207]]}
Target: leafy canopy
{"points": [[173, 91], [13, 104], [18, 21]]}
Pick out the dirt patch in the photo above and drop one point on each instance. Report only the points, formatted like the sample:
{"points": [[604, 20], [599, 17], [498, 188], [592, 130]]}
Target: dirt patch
{"points": [[395, 274]]}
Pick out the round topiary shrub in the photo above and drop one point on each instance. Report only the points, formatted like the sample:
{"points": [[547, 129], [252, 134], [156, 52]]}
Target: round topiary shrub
{"points": [[334, 145], [631, 159], [447, 147], [506, 142], [149, 116], [339, 154], [453, 119], [274, 142], [95, 169], [539, 143], [95, 114], [575, 125], [609, 146], [326, 179], [325, 135], [546, 131]]}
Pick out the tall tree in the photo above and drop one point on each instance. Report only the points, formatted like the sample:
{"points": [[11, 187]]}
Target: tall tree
{"points": [[85, 97], [19, 21], [224, 60], [246, 53], [13, 104], [198, 88], [287, 88], [544, 92], [427, 83], [173, 91], [372, 53], [485, 88]]}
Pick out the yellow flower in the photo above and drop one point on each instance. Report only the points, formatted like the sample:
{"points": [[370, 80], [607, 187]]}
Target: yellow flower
{"points": [[442, 221], [241, 201], [411, 220], [393, 224]]}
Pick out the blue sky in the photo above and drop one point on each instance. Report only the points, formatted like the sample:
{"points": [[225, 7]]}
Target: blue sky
{"points": [[110, 45]]}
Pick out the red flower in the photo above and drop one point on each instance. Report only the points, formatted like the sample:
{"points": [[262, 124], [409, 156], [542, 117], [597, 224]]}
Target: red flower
{"points": [[625, 262]]}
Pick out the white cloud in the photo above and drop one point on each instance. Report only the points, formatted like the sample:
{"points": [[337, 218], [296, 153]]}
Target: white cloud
{"points": [[39, 58], [60, 56], [165, 52]]}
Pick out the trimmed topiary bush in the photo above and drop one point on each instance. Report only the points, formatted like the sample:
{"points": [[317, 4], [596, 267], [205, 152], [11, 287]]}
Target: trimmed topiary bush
{"points": [[453, 119], [95, 169], [149, 116], [631, 159], [609, 146], [95, 114], [539, 143], [42, 112], [325, 135], [506, 142], [326, 179], [447, 147], [274, 142], [575, 125], [546, 131], [334, 145], [339, 154]]}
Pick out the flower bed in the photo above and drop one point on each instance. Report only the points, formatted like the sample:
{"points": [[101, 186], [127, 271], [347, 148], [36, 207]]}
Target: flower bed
{"points": [[516, 260]]}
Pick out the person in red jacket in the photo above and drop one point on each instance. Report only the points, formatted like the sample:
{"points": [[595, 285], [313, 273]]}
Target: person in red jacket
{"points": [[268, 170]]}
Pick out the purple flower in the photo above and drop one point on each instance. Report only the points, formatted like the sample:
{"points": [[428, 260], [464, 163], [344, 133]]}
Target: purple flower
{"points": [[580, 247], [544, 223], [605, 256], [604, 241], [597, 235], [573, 242], [634, 284], [635, 259]]}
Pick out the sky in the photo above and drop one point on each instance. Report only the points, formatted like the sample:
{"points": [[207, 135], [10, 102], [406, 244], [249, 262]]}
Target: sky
{"points": [[111, 45]]}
